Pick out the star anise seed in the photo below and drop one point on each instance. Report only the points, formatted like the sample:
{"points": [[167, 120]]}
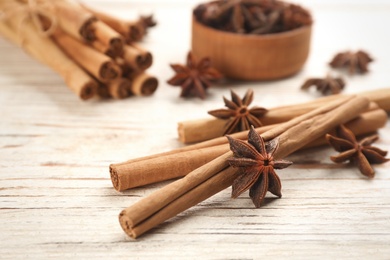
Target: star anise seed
{"points": [[257, 165], [355, 61], [361, 153], [238, 114], [148, 21], [194, 77], [328, 85]]}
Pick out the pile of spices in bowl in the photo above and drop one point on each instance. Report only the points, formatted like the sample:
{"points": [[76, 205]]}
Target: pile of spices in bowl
{"points": [[252, 16]]}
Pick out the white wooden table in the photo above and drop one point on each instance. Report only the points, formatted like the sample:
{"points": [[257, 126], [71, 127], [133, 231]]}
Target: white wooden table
{"points": [[56, 197]]}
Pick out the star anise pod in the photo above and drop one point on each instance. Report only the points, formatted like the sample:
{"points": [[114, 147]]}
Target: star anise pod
{"points": [[355, 61], [328, 85], [194, 77], [139, 28], [361, 153], [239, 115], [255, 159]]}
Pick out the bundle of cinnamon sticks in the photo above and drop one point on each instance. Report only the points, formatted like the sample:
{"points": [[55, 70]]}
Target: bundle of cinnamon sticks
{"points": [[203, 168], [96, 54]]}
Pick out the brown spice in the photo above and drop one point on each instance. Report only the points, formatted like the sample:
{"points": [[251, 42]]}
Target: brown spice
{"points": [[252, 16], [148, 21], [355, 61], [256, 162], [328, 85], [361, 153], [194, 77], [239, 116]]}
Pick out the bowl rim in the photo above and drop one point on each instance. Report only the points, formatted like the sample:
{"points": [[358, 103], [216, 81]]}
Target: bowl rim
{"points": [[254, 36]]}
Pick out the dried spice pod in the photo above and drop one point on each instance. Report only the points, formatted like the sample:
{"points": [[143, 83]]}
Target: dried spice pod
{"points": [[195, 77], [257, 165], [327, 85], [238, 114], [359, 152], [355, 62]]}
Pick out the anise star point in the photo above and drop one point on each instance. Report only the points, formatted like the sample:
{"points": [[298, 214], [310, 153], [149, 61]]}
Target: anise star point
{"points": [[257, 165], [238, 114], [358, 152], [195, 77]]}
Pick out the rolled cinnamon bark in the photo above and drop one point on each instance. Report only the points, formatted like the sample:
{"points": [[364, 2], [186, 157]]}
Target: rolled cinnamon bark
{"points": [[205, 129], [137, 57], [119, 88], [46, 51], [144, 85], [216, 175], [156, 168], [103, 49], [131, 30], [75, 20], [99, 65], [128, 71], [110, 39]]}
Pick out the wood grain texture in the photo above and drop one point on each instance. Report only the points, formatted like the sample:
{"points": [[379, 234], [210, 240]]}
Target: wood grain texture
{"points": [[56, 197]]}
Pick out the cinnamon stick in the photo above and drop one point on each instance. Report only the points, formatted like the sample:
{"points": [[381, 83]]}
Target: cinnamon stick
{"points": [[204, 129], [144, 85], [103, 49], [119, 88], [75, 20], [132, 31], [46, 51], [99, 65], [128, 71], [137, 57], [103, 91], [110, 39], [156, 168], [216, 175]]}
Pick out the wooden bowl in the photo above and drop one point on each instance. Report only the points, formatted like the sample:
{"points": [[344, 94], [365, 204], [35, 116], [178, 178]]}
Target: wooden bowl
{"points": [[252, 57]]}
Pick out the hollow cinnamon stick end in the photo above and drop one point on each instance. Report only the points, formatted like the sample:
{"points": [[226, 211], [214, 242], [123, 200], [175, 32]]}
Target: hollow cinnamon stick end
{"points": [[109, 71], [87, 30], [126, 224], [149, 86], [114, 178], [119, 88], [117, 47], [144, 85], [88, 91], [144, 61]]}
